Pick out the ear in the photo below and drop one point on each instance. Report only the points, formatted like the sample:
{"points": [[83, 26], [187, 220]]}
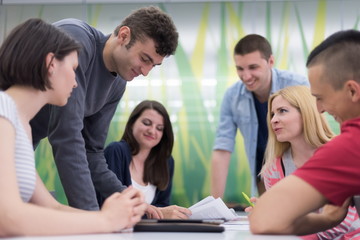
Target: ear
{"points": [[353, 88], [50, 63], [271, 60], [124, 35]]}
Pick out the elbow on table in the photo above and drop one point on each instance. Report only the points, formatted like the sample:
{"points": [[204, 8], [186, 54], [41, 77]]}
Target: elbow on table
{"points": [[9, 226], [263, 226]]}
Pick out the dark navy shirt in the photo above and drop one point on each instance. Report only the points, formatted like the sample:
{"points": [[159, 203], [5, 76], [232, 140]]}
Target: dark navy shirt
{"points": [[261, 111]]}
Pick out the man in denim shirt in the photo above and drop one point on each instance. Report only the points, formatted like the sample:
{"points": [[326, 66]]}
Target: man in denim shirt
{"points": [[245, 107]]}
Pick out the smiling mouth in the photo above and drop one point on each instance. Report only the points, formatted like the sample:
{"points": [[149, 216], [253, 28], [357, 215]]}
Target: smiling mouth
{"points": [[135, 73]]}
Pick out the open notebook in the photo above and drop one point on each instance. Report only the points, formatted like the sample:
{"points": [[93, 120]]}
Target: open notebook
{"points": [[211, 208]]}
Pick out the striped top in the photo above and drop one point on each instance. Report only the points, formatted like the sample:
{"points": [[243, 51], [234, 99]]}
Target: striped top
{"points": [[24, 153]]}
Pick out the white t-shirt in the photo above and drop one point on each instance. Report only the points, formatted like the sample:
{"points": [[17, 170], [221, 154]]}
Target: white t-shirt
{"points": [[148, 190]]}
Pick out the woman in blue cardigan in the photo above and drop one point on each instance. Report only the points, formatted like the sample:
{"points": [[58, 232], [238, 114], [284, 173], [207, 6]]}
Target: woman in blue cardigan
{"points": [[142, 158]]}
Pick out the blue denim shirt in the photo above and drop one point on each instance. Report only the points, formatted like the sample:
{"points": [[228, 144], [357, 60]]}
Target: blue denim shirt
{"points": [[238, 111]]}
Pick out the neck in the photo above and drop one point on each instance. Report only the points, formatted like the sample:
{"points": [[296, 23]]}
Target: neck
{"points": [[106, 53], [22, 96], [142, 155], [264, 93], [301, 152]]}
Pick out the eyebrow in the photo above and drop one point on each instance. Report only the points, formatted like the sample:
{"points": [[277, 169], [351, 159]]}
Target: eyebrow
{"points": [[145, 118], [281, 107], [151, 59]]}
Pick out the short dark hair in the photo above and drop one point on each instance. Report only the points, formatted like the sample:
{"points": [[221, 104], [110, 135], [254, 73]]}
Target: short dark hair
{"points": [[153, 23], [23, 53], [156, 165], [339, 55], [251, 43]]}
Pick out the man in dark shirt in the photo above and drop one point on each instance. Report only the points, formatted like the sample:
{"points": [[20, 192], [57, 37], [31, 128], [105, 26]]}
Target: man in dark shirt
{"points": [[77, 131]]}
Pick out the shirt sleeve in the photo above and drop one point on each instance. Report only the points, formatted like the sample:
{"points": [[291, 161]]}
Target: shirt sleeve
{"points": [[77, 141], [95, 132], [226, 131]]}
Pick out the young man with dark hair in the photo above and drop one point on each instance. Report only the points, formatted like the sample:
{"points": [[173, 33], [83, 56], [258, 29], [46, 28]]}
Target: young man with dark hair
{"points": [[77, 131], [331, 176]]}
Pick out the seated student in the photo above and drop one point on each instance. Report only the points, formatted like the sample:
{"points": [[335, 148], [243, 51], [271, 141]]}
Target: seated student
{"points": [[296, 130], [142, 158], [332, 174], [37, 67]]}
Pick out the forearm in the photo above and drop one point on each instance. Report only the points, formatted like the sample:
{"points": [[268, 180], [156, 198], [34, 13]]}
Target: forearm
{"points": [[313, 223], [104, 180], [219, 172], [28, 219]]}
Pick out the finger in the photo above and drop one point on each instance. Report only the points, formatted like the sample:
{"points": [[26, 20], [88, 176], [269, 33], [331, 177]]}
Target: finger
{"points": [[184, 211], [248, 209], [182, 215]]}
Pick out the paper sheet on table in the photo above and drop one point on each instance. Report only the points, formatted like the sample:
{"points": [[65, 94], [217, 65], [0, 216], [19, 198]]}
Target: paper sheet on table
{"points": [[211, 208]]}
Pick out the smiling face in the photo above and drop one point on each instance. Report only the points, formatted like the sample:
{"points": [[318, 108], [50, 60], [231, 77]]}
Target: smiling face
{"points": [[286, 121], [130, 62], [62, 78], [255, 72], [336, 102], [148, 129]]}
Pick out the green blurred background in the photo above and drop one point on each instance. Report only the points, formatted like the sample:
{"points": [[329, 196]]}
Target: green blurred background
{"points": [[191, 83]]}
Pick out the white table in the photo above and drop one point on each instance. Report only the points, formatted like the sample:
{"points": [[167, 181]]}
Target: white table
{"points": [[227, 235], [232, 232]]}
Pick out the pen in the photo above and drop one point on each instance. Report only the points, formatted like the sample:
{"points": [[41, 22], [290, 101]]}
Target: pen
{"points": [[248, 199]]}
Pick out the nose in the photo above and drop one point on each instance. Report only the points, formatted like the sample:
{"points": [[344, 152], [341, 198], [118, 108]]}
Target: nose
{"points": [[145, 69], [245, 75], [151, 130], [274, 119], [320, 107], [75, 84]]}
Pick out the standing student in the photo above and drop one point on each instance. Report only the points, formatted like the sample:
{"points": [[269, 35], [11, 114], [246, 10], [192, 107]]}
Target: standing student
{"points": [[296, 130], [37, 67], [78, 130], [244, 107], [331, 176], [142, 158]]}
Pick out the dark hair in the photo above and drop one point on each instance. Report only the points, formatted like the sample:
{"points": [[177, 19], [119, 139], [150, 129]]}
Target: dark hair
{"points": [[23, 54], [339, 55], [156, 165], [153, 23], [251, 43]]}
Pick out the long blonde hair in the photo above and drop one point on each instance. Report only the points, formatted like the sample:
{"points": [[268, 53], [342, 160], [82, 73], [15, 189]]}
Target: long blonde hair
{"points": [[315, 127]]}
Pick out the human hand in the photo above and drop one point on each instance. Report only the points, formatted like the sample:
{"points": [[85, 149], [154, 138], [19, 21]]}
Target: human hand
{"points": [[335, 214], [123, 210], [253, 200], [153, 212], [175, 212]]}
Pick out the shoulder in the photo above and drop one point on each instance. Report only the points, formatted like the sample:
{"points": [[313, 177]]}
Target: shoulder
{"points": [[171, 161], [81, 31], [285, 78], [7, 108], [235, 90], [117, 146], [73, 23]]}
